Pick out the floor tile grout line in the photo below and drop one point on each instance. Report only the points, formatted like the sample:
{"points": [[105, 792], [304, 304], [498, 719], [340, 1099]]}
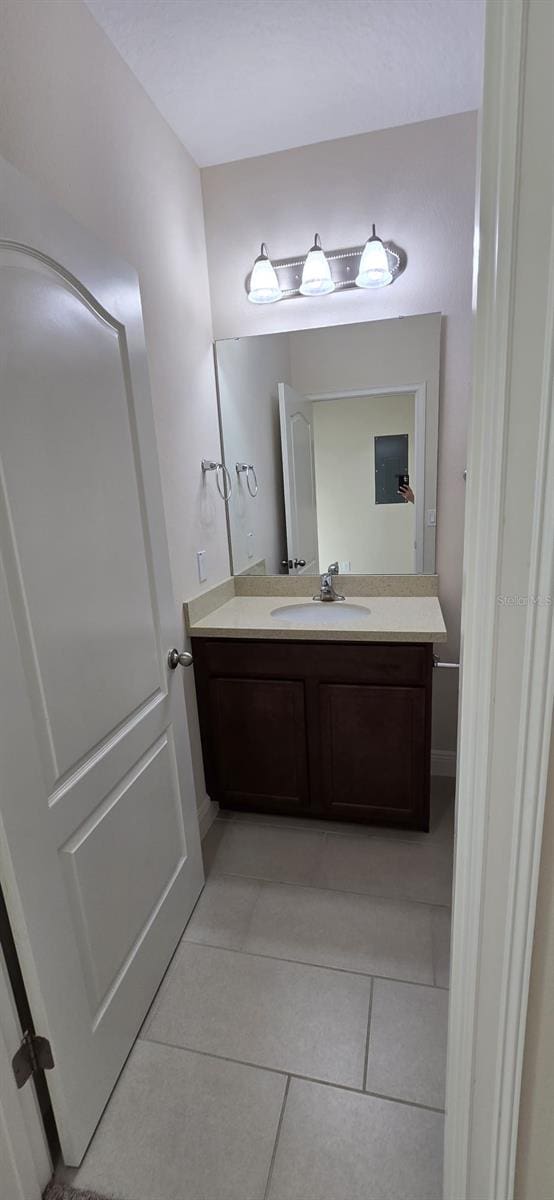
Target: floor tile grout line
{"points": [[366, 1046], [377, 836], [277, 1136], [434, 843], [341, 1087], [396, 1100], [300, 962], [321, 888]]}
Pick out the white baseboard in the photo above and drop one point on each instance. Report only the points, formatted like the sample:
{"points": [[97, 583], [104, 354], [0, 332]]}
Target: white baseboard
{"points": [[207, 813], [443, 762]]}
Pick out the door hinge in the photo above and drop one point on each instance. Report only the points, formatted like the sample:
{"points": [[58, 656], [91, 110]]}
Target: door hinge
{"points": [[34, 1054]]}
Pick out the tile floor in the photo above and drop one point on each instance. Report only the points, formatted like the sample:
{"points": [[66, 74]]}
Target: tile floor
{"points": [[296, 1048]]}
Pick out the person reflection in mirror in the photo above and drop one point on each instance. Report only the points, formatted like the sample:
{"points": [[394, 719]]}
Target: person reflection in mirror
{"points": [[406, 492]]}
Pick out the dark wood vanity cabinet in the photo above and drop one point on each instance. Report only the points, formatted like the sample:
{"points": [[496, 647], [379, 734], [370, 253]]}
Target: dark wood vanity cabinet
{"points": [[324, 729]]}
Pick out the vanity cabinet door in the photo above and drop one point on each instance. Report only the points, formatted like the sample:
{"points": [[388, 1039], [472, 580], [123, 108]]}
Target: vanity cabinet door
{"points": [[373, 753], [257, 744], [317, 729]]}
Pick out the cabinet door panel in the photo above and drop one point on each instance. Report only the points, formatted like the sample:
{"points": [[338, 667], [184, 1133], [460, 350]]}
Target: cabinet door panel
{"points": [[259, 743], [373, 753]]}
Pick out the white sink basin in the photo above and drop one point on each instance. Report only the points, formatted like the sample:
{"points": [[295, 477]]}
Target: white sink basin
{"points": [[317, 612]]}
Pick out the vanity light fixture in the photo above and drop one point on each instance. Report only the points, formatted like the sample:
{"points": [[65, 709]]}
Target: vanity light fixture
{"points": [[264, 285], [316, 273], [374, 270], [374, 265]]}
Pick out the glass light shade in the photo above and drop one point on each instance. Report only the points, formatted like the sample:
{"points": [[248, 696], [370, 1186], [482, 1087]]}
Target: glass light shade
{"points": [[316, 274], [374, 270], [264, 285]]}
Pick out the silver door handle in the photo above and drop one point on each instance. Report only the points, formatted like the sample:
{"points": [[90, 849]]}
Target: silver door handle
{"points": [[174, 659]]}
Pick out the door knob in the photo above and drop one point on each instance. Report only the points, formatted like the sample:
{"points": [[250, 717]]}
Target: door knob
{"points": [[290, 563], [174, 659], [300, 562]]}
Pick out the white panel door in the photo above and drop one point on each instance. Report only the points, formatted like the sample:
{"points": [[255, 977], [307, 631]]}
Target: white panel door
{"points": [[99, 845], [297, 445]]}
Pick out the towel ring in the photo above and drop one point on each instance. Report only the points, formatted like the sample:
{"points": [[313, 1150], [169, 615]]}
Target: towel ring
{"points": [[222, 476], [251, 479]]}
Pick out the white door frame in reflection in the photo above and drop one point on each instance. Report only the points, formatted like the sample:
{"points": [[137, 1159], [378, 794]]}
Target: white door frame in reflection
{"points": [[419, 391]]}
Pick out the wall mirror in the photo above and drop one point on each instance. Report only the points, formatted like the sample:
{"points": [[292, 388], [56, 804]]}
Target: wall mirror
{"points": [[320, 429]]}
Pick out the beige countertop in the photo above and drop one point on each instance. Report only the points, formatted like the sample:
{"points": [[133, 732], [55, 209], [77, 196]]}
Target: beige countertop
{"points": [[390, 619]]}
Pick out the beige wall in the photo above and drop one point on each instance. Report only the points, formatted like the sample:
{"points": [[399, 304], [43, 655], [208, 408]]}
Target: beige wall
{"points": [[77, 122], [375, 538], [249, 371], [417, 182], [535, 1156]]}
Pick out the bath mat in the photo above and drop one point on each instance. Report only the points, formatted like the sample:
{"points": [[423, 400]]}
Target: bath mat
{"points": [[62, 1191]]}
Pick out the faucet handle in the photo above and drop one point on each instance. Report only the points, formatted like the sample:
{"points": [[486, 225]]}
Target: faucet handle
{"points": [[333, 569]]}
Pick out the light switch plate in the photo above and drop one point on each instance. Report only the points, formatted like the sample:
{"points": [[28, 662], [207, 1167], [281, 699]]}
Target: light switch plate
{"points": [[431, 516], [202, 568]]}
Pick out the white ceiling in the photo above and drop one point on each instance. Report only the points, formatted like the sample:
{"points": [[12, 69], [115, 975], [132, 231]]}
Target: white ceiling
{"points": [[236, 78]]}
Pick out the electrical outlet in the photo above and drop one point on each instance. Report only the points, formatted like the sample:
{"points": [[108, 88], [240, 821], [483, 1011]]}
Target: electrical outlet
{"points": [[202, 568]]}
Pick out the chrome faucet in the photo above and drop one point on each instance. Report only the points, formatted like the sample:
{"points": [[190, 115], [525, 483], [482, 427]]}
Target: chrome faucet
{"points": [[327, 588]]}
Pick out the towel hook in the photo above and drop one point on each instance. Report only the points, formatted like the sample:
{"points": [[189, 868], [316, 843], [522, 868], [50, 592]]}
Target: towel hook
{"points": [[251, 479], [222, 475]]}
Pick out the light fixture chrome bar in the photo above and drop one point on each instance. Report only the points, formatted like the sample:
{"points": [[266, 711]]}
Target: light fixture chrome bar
{"points": [[344, 266]]}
